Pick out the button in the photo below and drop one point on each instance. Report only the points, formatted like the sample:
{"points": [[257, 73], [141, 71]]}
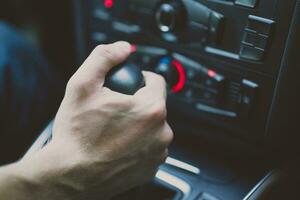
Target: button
{"points": [[188, 94], [165, 17], [256, 40], [215, 111], [233, 95], [126, 28], [206, 196], [246, 3], [206, 97], [210, 87], [215, 22], [102, 14], [251, 53], [196, 32], [260, 25], [218, 85], [215, 82], [216, 26], [248, 97], [197, 12]]}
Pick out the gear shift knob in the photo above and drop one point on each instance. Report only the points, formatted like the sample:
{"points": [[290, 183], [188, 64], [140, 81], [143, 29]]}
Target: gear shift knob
{"points": [[126, 79]]}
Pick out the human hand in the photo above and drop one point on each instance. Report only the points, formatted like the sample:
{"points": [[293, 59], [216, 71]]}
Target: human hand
{"points": [[103, 142]]}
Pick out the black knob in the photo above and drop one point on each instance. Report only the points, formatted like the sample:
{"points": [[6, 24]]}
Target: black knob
{"points": [[126, 79], [170, 16]]}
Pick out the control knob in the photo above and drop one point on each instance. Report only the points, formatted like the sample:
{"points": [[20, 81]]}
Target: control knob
{"points": [[170, 16], [126, 79], [173, 72]]}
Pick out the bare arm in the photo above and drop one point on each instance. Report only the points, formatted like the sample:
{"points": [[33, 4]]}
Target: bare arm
{"points": [[103, 142]]}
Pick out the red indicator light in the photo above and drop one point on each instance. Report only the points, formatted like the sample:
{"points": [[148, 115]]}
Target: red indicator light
{"points": [[211, 73], [108, 3], [182, 76], [133, 48]]}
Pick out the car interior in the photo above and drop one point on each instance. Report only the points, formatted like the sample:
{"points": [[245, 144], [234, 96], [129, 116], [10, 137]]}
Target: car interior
{"points": [[232, 72]]}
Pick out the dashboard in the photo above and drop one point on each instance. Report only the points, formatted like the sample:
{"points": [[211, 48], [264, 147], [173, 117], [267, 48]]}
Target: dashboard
{"points": [[221, 58], [231, 69]]}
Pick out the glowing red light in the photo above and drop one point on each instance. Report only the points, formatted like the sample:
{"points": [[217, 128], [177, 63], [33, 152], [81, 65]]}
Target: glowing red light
{"points": [[133, 48], [211, 73], [109, 3], [182, 76]]}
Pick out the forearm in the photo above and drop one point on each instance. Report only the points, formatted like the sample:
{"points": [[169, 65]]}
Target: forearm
{"points": [[89, 156], [13, 185], [53, 174], [35, 179]]}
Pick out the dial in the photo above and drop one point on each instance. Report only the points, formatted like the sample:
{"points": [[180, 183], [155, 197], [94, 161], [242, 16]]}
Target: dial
{"points": [[170, 16], [173, 71]]}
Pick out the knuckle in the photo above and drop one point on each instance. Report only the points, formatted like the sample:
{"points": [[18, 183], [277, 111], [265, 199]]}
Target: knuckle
{"points": [[156, 113], [167, 137], [73, 84], [159, 111], [77, 84]]}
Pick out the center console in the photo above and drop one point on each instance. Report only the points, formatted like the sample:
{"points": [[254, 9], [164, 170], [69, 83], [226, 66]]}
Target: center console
{"points": [[222, 60]]}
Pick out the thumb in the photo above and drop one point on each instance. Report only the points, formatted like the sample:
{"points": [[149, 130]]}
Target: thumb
{"points": [[102, 60]]}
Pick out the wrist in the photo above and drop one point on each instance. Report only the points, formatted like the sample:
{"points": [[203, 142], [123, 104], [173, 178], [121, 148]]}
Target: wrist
{"points": [[48, 172], [13, 185], [39, 176]]}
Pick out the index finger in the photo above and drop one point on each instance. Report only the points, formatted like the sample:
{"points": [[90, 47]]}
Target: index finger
{"points": [[102, 60]]}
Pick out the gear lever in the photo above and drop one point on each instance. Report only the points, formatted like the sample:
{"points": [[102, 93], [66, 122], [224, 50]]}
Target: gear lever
{"points": [[126, 79]]}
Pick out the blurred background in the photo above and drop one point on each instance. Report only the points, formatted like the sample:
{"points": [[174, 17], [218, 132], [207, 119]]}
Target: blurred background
{"points": [[33, 88], [46, 25]]}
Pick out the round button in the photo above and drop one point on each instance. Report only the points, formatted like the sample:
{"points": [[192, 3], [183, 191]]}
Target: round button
{"points": [[170, 16], [165, 18]]}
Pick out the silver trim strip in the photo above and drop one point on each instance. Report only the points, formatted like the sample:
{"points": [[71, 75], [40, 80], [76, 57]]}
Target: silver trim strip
{"points": [[182, 165], [257, 185], [215, 111], [180, 184], [223, 53]]}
